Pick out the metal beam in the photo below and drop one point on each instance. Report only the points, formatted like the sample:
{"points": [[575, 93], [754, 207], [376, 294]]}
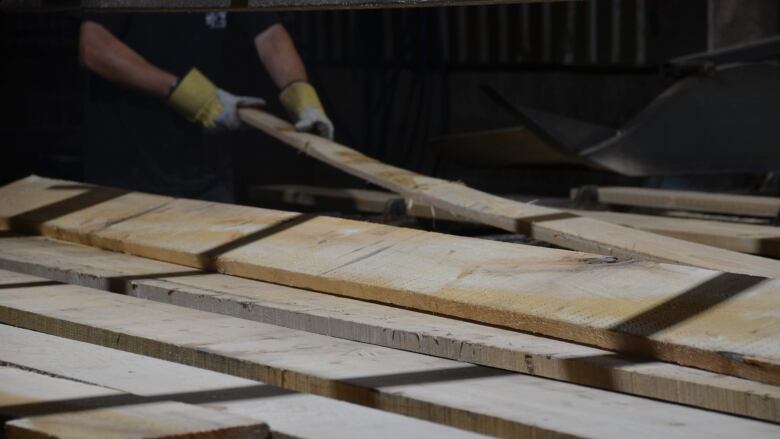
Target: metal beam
{"points": [[241, 5]]}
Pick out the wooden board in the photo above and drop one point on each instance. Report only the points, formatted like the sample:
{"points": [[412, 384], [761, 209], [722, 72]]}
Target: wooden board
{"points": [[722, 322], [387, 326], [63, 408], [746, 238], [546, 224], [290, 414], [462, 395], [689, 200], [19, 389], [161, 420]]}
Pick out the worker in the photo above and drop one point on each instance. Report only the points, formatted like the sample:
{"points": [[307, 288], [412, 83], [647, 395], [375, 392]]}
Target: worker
{"points": [[154, 114]]}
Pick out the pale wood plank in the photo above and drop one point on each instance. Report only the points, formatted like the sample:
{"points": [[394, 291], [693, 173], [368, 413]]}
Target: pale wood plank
{"points": [[66, 209], [747, 205], [543, 223], [19, 387], [386, 326], [65, 400], [745, 238], [721, 322], [162, 420], [444, 390], [289, 414]]}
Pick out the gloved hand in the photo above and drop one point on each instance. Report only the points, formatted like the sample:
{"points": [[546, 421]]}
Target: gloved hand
{"points": [[199, 100], [301, 101]]}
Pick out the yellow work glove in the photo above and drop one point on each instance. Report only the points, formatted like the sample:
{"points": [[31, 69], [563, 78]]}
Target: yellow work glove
{"points": [[199, 100], [301, 101]]}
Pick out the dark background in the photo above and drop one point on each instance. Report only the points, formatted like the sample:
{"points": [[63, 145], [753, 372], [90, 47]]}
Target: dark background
{"points": [[392, 80]]}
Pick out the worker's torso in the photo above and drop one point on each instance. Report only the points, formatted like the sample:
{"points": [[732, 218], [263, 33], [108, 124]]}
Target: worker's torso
{"points": [[135, 141]]}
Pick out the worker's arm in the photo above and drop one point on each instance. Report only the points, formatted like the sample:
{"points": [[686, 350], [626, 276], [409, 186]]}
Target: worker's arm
{"points": [[280, 57], [193, 95], [101, 52]]}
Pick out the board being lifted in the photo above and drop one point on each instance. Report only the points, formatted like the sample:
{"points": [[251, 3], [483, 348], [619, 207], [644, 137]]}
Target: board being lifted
{"points": [[722, 322], [565, 229]]}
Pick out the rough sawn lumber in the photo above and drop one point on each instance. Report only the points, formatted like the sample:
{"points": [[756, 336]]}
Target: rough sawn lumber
{"points": [[454, 393], [745, 238], [546, 224], [726, 323], [386, 326], [733, 204], [159, 420], [63, 409], [289, 414]]}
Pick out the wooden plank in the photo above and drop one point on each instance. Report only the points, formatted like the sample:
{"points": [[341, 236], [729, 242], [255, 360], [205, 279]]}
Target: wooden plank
{"points": [[387, 326], [19, 388], [66, 210], [162, 420], [721, 322], [28, 392], [732, 204], [745, 238], [260, 5], [465, 395], [545, 224], [289, 414]]}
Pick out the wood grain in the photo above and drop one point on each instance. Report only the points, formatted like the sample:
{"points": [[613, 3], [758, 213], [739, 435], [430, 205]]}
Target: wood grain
{"points": [[146, 379], [387, 326], [746, 205], [746, 238], [62, 410], [546, 224], [161, 420], [723, 322], [461, 395]]}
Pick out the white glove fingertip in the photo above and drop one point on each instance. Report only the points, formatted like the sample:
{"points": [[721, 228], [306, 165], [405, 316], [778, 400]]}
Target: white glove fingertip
{"points": [[249, 101], [304, 125]]}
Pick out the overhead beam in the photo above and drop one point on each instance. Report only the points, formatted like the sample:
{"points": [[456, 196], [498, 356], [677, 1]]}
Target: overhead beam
{"points": [[386, 326], [716, 321], [465, 396], [565, 229], [146, 379], [235, 5]]}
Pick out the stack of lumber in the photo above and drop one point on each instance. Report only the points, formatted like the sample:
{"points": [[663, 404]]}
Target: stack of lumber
{"points": [[269, 348], [740, 237]]}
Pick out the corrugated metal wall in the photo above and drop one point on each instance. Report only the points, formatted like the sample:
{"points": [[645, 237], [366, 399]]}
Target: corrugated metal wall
{"points": [[592, 33]]}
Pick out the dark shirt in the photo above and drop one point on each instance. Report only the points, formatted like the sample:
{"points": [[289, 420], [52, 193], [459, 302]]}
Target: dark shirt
{"points": [[136, 141]]}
